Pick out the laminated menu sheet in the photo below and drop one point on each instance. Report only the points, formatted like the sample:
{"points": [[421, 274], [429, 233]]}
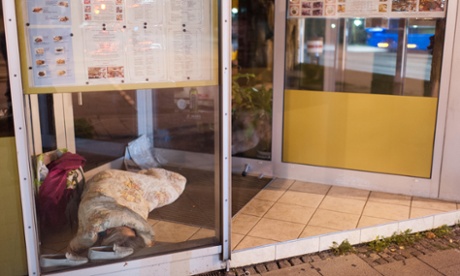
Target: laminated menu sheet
{"points": [[367, 8], [87, 44]]}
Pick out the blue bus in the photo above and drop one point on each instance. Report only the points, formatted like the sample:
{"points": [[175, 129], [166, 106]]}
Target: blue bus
{"points": [[418, 38]]}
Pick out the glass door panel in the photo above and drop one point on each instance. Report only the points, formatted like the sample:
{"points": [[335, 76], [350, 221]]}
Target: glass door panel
{"points": [[252, 40], [362, 64], [136, 104]]}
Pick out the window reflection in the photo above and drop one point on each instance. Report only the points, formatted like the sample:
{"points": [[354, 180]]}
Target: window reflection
{"points": [[252, 40], [185, 119], [6, 112], [104, 123], [372, 55]]}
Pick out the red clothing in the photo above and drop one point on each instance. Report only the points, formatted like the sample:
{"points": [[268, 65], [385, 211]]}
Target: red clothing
{"points": [[53, 194]]}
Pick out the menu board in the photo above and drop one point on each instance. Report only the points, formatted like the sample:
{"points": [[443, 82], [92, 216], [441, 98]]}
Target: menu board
{"points": [[86, 44], [367, 8]]}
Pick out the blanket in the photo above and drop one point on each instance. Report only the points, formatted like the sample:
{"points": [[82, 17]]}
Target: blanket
{"points": [[115, 198]]}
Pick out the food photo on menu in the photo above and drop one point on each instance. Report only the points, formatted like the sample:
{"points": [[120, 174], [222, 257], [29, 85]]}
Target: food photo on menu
{"points": [[38, 39], [115, 72], [432, 5], [40, 62], [39, 51], [329, 10], [404, 5], [97, 72], [310, 8], [63, 4], [60, 61]]}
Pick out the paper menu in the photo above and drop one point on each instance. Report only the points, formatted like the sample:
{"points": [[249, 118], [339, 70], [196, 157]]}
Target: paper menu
{"points": [[51, 52], [367, 8], [125, 41]]}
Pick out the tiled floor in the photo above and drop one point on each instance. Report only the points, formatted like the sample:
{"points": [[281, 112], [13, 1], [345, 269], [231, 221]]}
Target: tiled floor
{"points": [[287, 210]]}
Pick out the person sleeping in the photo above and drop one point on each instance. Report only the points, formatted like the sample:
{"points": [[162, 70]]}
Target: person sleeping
{"points": [[113, 212]]}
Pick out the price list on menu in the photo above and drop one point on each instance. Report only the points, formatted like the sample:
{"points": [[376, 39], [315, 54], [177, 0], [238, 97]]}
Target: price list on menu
{"points": [[367, 8], [97, 42]]}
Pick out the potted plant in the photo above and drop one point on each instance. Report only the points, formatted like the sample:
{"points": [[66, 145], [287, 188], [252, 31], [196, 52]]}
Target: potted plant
{"points": [[251, 115]]}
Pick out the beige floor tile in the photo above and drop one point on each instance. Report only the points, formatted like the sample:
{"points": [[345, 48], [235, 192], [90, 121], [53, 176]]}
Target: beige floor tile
{"points": [[257, 207], [152, 221], [236, 239], [334, 220], [280, 184], [173, 232], [301, 198], [249, 242], [276, 230], [342, 204], [243, 223], [290, 212], [422, 212], [386, 211], [390, 198], [270, 194], [349, 193], [203, 233], [274, 190], [433, 204], [310, 231], [312, 188], [365, 221]]}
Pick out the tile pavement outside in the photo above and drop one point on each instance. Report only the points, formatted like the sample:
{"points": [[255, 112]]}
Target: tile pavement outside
{"points": [[428, 256]]}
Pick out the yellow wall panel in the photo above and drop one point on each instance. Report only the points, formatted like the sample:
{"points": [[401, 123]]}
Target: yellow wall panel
{"points": [[12, 246], [377, 133]]}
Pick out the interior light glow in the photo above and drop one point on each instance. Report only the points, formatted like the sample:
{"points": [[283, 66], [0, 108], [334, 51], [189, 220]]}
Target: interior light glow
{"points": [[411, 46], [234, 10], [333, 26], [358, 22], [383, 45]]}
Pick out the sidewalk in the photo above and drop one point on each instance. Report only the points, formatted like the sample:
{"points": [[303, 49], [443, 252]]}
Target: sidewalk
{"points": [[427, 256], [445, 262]]}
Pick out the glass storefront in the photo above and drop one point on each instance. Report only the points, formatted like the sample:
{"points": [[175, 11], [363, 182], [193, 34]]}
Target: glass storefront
{"points": [[342, 76], [136, 92], [124, 113]]}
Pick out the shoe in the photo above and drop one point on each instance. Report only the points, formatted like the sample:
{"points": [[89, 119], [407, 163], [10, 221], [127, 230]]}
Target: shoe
{"points": [[109, 252], [49, 260]]}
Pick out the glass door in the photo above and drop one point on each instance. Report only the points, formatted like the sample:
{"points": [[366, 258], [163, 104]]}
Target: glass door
{"points": [[362, 93], [359, 94], [127, 121]]}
